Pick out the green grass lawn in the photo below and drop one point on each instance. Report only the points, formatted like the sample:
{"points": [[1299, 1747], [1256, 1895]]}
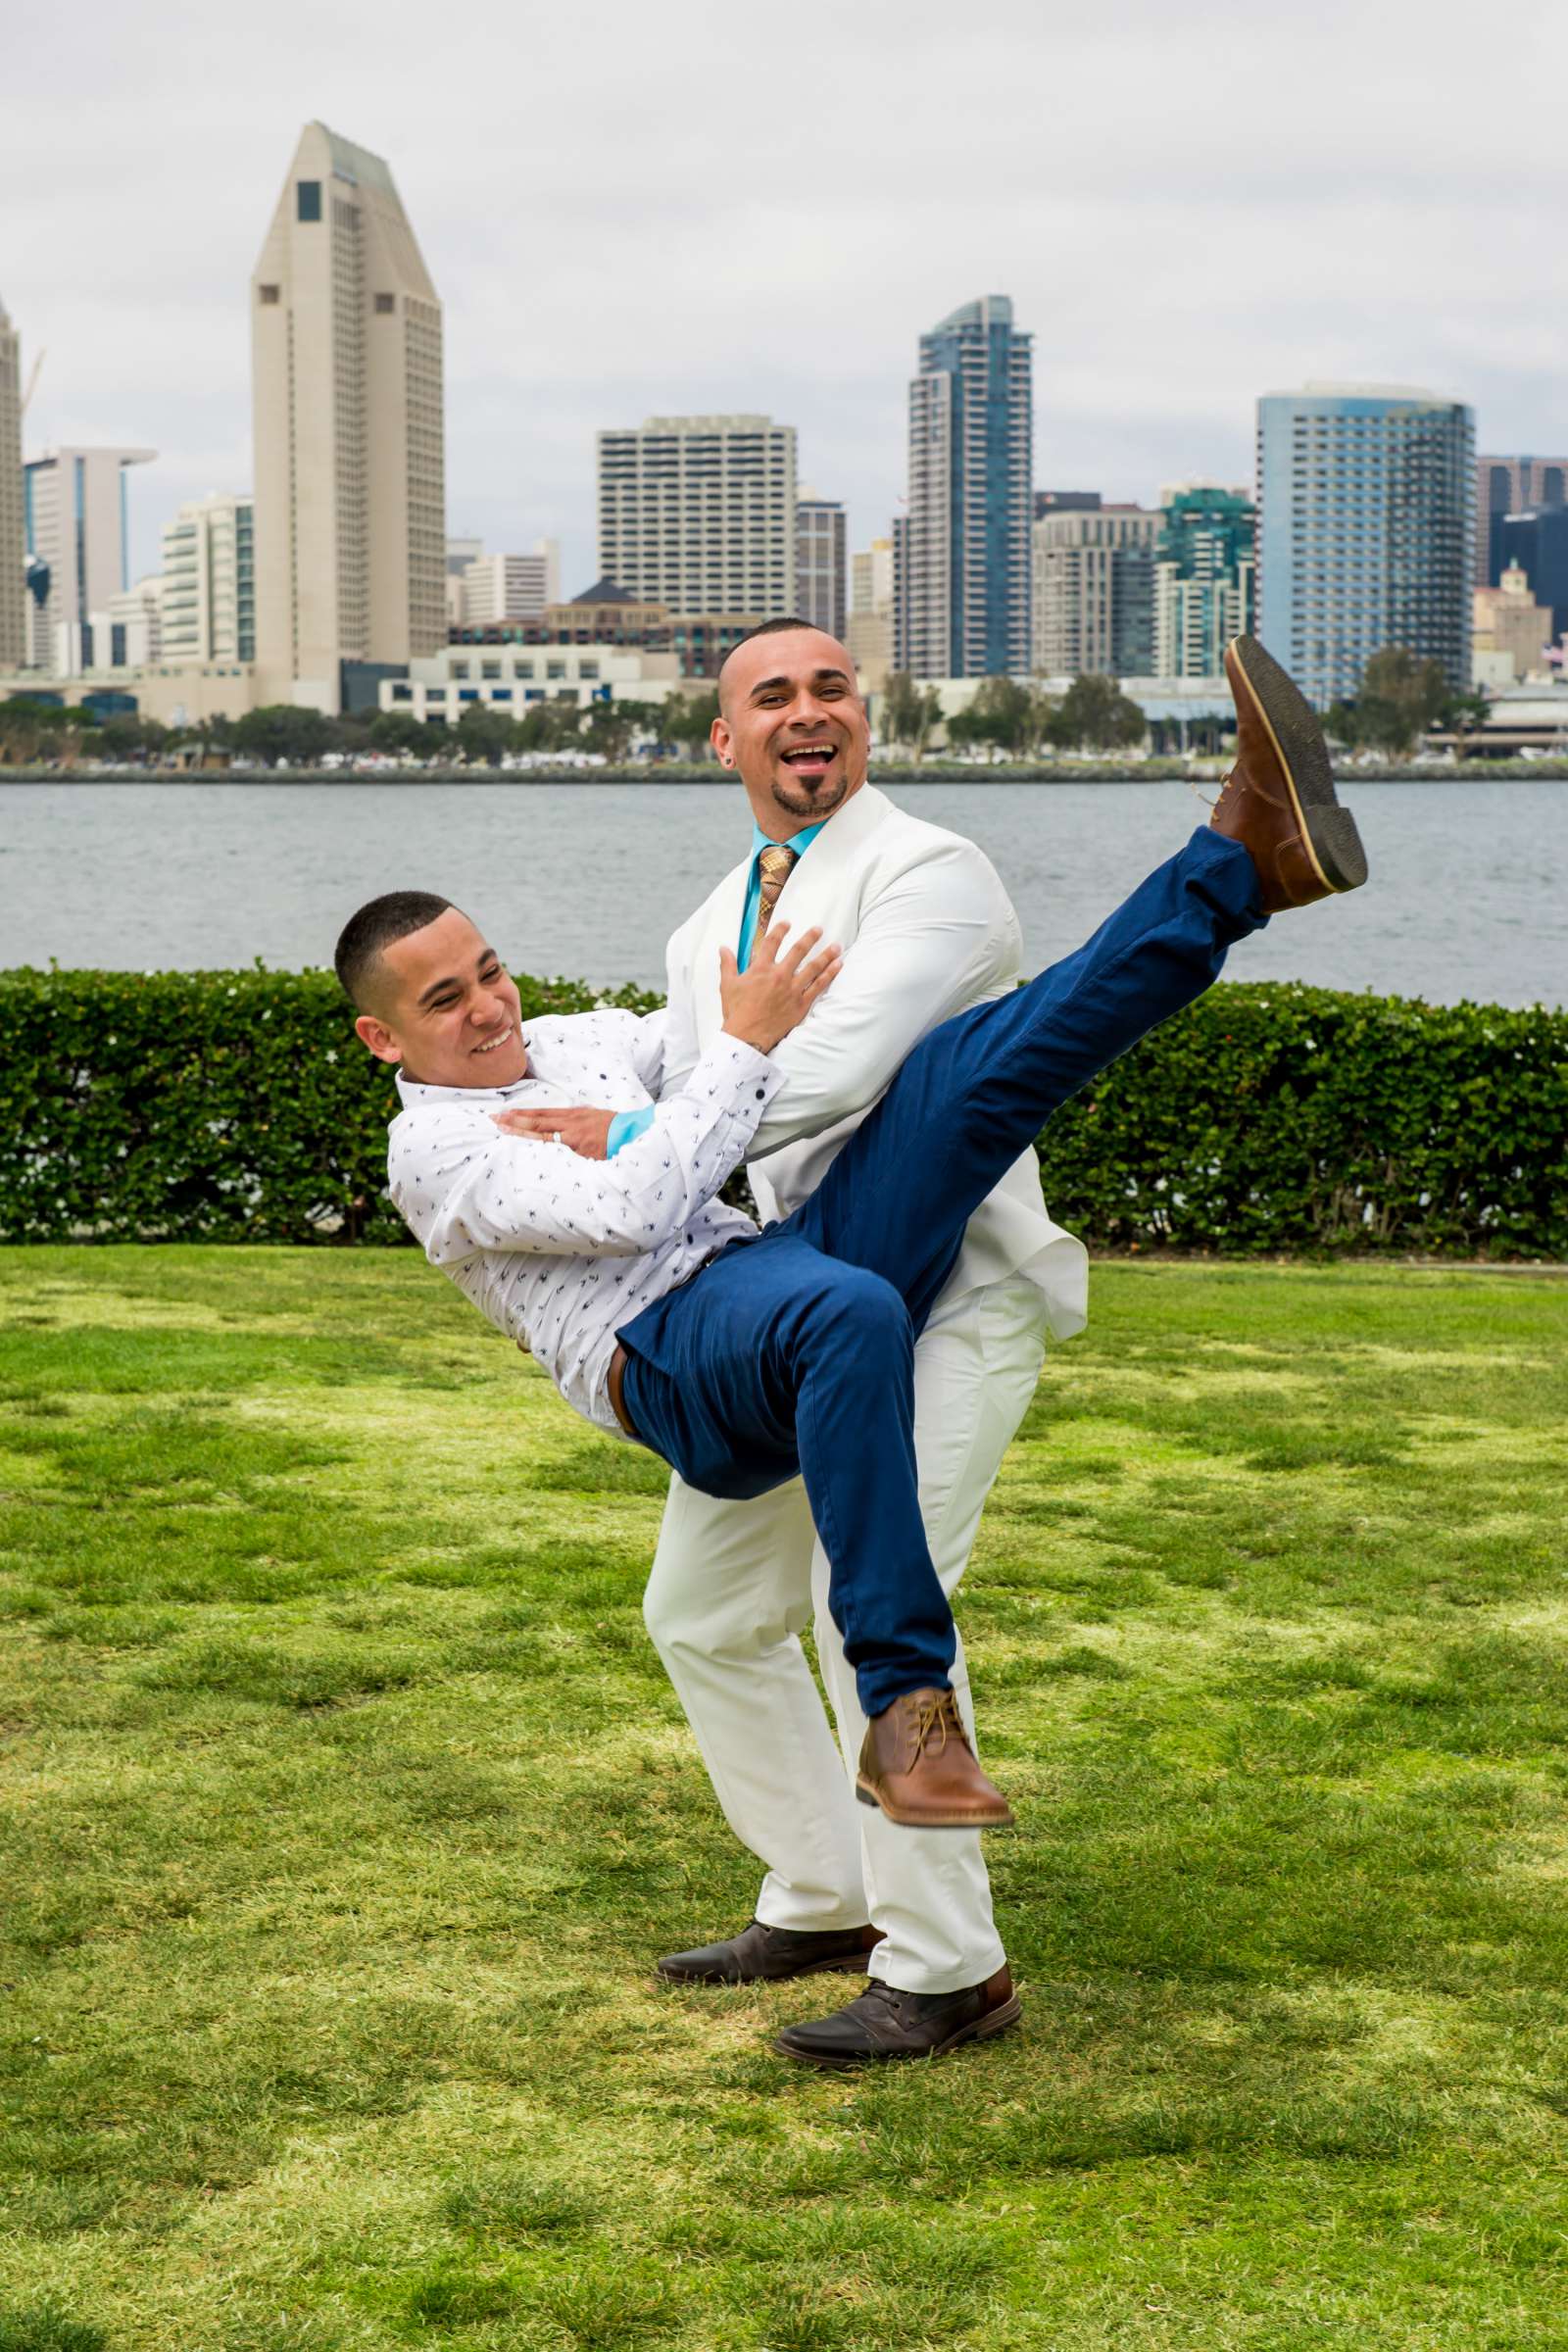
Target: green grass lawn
{"points": [[345, 1810]]}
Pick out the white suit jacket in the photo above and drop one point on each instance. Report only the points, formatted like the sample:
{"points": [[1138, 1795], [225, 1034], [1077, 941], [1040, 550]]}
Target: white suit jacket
{"points": [[927, 931]]}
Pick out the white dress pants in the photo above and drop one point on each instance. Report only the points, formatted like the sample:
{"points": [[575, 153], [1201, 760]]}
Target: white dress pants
{"points": [[733, 1584]]}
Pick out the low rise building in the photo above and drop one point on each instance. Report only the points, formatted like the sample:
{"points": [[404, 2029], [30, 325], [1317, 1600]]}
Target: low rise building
{"points": [[507, 676], [1511, 631], [609, 615], [1530, 716], [1182, 714], [177, 696]]}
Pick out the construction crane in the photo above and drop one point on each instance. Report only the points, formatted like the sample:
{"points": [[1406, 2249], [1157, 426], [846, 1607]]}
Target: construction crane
{"points": [[32, 379]]}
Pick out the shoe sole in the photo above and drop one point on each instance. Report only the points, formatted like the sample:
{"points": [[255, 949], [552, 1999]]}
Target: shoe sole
{"points": [[979, 2028], [1332, 842], [931, 1821], [851, 1964]]}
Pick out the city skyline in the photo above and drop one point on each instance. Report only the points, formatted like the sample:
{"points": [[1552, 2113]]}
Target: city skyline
{"points": [[1360, 239]]}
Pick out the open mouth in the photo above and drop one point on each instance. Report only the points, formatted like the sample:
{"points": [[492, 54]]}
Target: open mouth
{"points": [[809, 758], [494, 1044]]}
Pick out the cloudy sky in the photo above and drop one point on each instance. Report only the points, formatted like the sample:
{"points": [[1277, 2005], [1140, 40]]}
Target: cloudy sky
{"points": [[629, 210]]}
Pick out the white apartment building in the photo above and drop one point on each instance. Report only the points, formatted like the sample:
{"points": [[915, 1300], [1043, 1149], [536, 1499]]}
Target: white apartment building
{"points": [[699, 513], [208, 577], [79, 549], [513, 678], [350, 451], [511, 587], [13, 531]]}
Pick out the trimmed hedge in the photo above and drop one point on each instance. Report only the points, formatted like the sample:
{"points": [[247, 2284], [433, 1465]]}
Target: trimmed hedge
{"points": [[238, 1107], [201, 1107]]}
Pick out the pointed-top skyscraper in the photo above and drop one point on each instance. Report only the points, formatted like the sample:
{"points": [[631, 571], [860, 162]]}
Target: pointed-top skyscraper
{"points": [[350, 449], [12, 544]]}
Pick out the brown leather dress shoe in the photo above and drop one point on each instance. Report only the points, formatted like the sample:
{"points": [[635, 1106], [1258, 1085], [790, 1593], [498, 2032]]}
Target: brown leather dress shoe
{"points": [[916, 1763], [1278, 800], [763, 1955], [885, 2023]]}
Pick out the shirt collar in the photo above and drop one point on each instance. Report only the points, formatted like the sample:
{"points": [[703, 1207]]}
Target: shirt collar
{"points": [[418, 1090], [798, 842]]}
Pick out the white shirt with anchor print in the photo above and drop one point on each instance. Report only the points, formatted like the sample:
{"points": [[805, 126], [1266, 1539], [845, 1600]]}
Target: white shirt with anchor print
{"points": [[556, 1251]]}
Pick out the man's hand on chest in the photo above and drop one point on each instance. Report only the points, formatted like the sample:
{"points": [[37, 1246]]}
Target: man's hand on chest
{"points": [[576, 1126]]}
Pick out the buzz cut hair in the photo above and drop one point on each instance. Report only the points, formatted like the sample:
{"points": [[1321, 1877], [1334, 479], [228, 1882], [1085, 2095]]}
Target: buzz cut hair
{"points": [[376, 927], [766, 628]]}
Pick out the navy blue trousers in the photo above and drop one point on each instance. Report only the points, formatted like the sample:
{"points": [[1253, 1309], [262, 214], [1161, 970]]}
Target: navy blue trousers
{"points": [[794, 1353]]}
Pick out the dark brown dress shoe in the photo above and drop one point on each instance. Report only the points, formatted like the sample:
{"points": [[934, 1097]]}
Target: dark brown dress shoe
{"points": [[885, 2023], [916, 1763], [762, 1955], [1278, 800]]}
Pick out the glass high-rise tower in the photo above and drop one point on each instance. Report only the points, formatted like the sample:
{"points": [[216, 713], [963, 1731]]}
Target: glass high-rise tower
{"points": [[1365, 531], [964, 587]]}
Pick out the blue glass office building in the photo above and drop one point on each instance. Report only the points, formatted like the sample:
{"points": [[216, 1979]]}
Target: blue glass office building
{"points": [[1366, 528], [963, 590]]}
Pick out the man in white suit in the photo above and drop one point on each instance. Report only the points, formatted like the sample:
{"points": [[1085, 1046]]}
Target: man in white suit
{"points": [[927, 931], [761, 1352]]}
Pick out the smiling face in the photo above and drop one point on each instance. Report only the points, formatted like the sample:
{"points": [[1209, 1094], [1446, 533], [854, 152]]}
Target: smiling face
{"points": [[791, 720], [445, 1009]]}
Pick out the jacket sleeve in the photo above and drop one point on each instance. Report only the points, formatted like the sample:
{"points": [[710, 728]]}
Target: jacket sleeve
{"points": [[464, 1187], [681, 1048], [940, 937]]}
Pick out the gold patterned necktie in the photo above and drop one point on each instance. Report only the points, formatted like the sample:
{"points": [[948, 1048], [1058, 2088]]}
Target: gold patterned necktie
{"points": [[775, 865]]}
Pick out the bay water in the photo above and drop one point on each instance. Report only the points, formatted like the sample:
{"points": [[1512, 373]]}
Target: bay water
{"points": [[1468, 899]]}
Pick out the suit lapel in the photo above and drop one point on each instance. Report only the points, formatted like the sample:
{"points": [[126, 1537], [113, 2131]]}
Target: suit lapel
{"points": [[720, 929], [829, 862], [832, 858]]}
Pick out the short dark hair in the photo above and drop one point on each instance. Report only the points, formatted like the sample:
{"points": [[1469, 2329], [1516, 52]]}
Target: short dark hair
{"points": [[377, 925], [767, 628]]}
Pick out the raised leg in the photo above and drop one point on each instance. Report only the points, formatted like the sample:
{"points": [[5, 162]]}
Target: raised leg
{"points": [[977, 1091]]}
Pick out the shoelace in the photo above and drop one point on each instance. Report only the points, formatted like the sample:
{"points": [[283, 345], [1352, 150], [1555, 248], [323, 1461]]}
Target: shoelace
{"points": [[937, 1714]]}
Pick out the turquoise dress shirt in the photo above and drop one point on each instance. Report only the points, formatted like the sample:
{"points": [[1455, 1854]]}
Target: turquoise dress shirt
{"points": [[631, 1123]]}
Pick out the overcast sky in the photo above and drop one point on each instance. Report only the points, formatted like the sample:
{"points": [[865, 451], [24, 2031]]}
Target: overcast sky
{"points": [[630, 210]]}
